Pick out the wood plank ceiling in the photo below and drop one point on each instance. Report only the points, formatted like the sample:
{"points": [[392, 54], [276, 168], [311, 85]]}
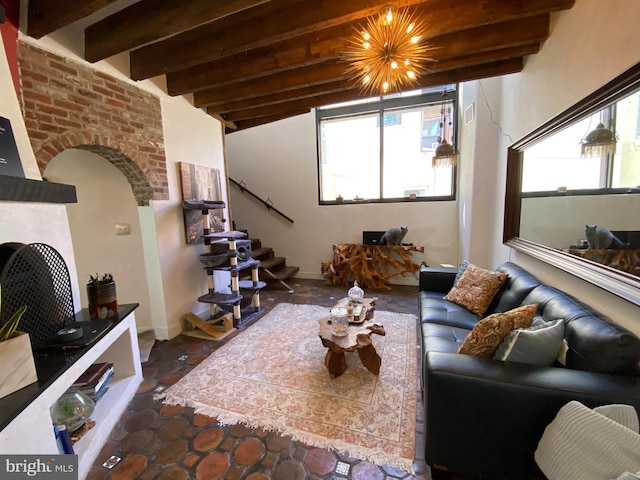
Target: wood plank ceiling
{"points": [[251, 62]]}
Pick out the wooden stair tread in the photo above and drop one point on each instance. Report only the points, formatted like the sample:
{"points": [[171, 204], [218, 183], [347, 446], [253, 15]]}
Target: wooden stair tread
{"points": [[258, 252], [272, 262], [284, 273]]}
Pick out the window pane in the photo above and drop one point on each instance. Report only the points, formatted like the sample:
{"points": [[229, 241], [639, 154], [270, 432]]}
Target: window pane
{"points": [[556, 163], [350, 157], [626, 163], [408, 149], [382, 150]]}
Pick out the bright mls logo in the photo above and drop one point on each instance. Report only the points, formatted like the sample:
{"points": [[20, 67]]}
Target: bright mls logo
{"points": [[51, 467]]}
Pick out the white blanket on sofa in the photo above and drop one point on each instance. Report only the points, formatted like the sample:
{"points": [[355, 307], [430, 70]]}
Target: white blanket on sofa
{"points": [[585, 444]]}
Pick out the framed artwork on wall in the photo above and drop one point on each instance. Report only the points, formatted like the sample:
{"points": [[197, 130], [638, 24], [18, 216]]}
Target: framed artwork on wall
{"points": [[201, 183]]}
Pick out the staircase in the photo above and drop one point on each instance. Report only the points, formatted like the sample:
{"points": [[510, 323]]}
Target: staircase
{"points": [[273, 270]]}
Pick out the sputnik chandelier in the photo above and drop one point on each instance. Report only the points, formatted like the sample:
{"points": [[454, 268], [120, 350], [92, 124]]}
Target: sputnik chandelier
{"points": [[386, 54]]}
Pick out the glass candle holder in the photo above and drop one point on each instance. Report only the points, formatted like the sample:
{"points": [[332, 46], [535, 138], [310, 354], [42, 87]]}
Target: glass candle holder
{"points": [[339, 321]]}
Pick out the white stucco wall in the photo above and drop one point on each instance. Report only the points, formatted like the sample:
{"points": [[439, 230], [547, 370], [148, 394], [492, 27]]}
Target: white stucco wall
{"points": [[278, 161], [589, 45], [32, 222]]}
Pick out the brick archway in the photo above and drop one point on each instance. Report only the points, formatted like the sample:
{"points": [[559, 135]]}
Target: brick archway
{"points": [[140, 186], [69, 105]]}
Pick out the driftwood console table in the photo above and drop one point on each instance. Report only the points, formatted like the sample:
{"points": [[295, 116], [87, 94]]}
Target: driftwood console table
{"points": [[370, 265]]}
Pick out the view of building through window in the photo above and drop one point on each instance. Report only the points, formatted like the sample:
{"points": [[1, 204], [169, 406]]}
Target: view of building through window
{"points": [[555, 164], [381, 150]]}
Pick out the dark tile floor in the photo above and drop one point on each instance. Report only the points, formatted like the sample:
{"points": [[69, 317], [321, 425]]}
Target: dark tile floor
{"points": [[161, 442], [158, 442]]}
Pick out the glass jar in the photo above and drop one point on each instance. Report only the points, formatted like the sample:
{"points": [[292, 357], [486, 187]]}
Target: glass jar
{"points": [[355, 294], [339, 322], [72, 409]]}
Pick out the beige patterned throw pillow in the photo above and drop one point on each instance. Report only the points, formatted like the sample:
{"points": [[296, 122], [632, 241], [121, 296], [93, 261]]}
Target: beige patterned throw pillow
{"points": [[475, 288], [488, 334]]}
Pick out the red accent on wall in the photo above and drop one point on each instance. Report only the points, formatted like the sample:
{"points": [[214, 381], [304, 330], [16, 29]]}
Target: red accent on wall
{"points": [[9, 31]]}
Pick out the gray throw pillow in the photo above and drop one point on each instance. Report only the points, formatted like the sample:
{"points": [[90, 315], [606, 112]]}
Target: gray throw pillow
{"points": [[463, 266], [537, 345]]}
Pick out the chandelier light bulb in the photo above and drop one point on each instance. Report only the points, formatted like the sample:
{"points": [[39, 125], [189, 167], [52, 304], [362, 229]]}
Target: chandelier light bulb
{"points": [[389, 16], [391, 44]]}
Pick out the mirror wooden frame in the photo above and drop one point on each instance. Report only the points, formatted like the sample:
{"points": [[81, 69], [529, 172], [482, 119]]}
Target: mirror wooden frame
{"points": [[619, 283]]}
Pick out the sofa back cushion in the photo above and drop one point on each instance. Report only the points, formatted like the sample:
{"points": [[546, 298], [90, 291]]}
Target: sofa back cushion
{"points": [[518, 285], [595, 343], [476, 288]]}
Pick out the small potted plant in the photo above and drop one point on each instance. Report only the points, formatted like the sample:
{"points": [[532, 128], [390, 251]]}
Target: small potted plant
{"points": [[16, 356], [101, 295]]}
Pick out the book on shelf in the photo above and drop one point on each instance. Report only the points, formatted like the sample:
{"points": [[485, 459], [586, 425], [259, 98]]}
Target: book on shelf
{"points": [[104, 379], [96, 398], [97, 394], [92, 374]]}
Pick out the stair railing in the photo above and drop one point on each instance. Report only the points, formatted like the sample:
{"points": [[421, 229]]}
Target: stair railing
{"points": [[267, 203]]}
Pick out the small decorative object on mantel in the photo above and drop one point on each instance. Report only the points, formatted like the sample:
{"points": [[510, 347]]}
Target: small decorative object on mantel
{"points": [[16, 356], [101, 294]]}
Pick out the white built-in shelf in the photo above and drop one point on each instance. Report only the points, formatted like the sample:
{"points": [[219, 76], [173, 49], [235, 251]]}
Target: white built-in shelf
{"points": [[24, 416]]}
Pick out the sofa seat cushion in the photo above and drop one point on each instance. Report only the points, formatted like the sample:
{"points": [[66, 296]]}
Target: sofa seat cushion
{"points": [[442, 338], [435, 309]]}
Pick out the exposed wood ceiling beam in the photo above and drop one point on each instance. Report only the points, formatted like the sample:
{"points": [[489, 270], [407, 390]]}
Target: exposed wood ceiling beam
{"points": [[46, 16], [264, 120], [348, 84], [281, 97], [460, 75], [325, 45], [250, 62], [305, 77], [293, 53], [195, 46], [151, 20]]}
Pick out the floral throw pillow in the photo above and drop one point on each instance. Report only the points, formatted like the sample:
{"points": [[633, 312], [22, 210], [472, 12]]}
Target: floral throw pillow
{"points": [[488, 334], [475, 288]]}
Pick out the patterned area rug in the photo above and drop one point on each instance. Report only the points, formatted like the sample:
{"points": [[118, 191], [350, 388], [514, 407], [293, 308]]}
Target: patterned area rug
{"points": [[272, 376]]}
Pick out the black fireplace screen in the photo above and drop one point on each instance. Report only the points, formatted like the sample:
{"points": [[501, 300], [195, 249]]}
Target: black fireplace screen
{"points": [[35, 275]]}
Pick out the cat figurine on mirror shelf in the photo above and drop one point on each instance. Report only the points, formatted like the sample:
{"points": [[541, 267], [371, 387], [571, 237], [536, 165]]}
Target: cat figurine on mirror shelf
{"points": [[601, 238], [394, 236]]}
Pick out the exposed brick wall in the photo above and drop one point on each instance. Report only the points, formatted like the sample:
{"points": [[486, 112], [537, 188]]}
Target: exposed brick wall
{"points": [[68, 105]]}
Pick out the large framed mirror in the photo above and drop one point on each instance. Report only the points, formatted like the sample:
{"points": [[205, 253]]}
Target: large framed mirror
{"points": [[573, 189]]}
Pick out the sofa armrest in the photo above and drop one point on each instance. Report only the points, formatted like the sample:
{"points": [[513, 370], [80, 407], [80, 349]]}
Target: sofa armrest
{"points": [[486, 415], [435, 279]]}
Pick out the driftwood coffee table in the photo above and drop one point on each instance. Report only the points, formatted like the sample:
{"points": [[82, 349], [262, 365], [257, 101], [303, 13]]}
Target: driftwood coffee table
{"points": [[358, 339]]}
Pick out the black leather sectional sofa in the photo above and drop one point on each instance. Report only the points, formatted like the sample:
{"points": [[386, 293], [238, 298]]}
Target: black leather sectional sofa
{"points": [[487, 415]]}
